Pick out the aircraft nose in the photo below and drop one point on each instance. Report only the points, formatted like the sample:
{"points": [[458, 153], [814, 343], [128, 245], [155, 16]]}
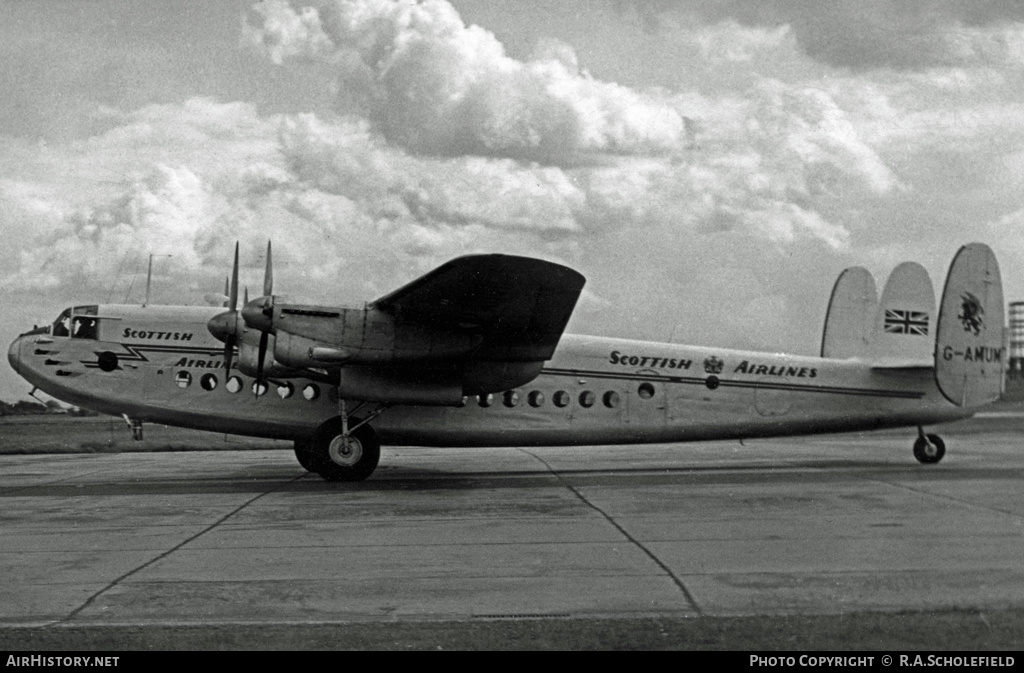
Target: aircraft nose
{"points": [[14, 354]]}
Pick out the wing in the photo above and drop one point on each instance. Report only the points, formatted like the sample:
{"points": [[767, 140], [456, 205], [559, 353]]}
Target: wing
{"points": [[519, 306]]}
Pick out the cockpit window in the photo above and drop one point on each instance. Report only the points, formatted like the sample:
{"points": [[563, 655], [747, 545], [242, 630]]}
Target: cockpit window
{"points": [[83, 327], [79, 322], [62, 326]]}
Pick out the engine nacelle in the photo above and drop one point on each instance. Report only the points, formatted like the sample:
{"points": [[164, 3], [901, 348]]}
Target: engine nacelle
{"points": [[294, 350], [313, 336], [482, 378], [248, 357], [433, 386], [401, 386]]}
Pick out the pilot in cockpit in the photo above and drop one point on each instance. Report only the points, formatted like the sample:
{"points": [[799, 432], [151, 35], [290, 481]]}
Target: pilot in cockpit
{"points": [[83, 328], [62, 326]]}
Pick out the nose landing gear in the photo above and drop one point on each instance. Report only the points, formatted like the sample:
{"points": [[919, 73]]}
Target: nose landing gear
{"points": [[135, 425]]}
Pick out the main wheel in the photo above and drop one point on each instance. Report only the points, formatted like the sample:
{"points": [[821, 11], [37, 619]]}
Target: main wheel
{"points": [[929, 449], [339, 459], [305, 455]]}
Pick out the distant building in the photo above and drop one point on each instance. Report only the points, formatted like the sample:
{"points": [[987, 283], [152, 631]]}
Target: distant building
{"points": [[1016, 362], [1014, 388]]}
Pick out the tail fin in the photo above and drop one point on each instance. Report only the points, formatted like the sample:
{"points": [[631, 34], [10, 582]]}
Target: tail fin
{"points": [[902, 333], [894, 333], [969, 349], [851, 315]]}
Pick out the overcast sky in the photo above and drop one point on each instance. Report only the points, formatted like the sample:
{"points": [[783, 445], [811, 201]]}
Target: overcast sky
{"points": [[710, 166]]}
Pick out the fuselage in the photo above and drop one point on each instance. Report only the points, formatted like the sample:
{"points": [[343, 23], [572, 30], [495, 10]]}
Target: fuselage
{"points": [[161, 364]]}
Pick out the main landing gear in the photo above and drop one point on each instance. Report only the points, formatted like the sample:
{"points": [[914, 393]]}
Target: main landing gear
{"points": [[344, 448], [928, 449]]}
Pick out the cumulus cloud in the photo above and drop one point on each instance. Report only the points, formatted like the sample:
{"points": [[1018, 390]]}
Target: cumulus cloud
{"points": [[432, 84], [342, 204], [443, 145], [900, 34]]}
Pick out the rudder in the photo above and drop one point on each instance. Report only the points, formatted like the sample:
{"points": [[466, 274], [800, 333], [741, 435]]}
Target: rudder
{"points": [[969, 348], [851, 315]]}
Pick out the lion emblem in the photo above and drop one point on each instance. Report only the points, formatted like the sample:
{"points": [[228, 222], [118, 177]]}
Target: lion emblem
{"points": [[971, 313], [713, 365]]}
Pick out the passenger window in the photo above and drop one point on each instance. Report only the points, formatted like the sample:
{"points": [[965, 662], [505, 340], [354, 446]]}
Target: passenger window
{"points": [[183, 379], [587, 398], [285, 390], [646, 391], [485, 400], [561, 399], [311, 392], [611, 399], [511, 398], [536, 398], [208, 382], [234, 384], [259, 388]]}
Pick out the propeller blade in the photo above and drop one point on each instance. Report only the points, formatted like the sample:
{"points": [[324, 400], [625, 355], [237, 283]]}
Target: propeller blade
{"points": [[264, 337], [233, 294], [224, 326], [268, 276], [229, 351]]}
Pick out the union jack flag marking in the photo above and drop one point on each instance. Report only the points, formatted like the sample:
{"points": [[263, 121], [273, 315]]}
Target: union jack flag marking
{"points": [[906, 322]]}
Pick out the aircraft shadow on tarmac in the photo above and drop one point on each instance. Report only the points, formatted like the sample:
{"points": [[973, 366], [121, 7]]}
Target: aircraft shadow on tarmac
{"points": [[280, 479]]}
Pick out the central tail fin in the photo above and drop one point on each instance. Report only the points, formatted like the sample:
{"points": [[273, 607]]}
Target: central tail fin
{"points": [[969, 350], [902, 335]]}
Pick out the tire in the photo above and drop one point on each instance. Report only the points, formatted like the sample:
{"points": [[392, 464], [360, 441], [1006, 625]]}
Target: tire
{"points": [[305, 455], [930, 450], [334, 461]]}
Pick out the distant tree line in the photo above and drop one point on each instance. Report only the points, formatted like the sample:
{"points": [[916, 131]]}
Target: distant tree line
{"points": [[27, 408]]}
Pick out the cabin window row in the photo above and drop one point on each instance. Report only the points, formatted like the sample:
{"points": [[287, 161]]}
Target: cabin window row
{"points": [[234, 384], [510, 398], [586, 399]]}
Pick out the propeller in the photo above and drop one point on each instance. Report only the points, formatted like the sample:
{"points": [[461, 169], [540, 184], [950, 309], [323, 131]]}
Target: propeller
{"points": [[268, 311], [224, 326], [257, 314]]}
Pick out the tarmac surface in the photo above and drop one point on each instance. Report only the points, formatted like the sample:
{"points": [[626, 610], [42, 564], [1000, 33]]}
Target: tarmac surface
{"points": [[799, 526]]}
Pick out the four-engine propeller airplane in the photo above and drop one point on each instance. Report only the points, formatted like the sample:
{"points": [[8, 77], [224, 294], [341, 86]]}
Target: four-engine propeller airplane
{"points": [[473, 354]]}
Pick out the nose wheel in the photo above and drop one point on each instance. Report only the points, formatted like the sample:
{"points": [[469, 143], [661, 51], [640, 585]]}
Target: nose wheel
{"points": [[929, 449]]}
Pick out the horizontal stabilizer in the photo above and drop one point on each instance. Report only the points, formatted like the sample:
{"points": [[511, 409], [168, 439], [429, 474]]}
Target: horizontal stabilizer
{"points": [[902, 364], [518, 305]]}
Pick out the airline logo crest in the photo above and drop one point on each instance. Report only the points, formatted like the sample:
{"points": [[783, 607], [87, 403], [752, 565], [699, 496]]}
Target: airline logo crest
{"points": [[906, 322], [713, 365], [971, 313]]}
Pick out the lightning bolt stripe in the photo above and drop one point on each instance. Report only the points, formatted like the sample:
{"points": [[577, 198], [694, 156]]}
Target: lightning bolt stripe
{"points": [[137, 352]]}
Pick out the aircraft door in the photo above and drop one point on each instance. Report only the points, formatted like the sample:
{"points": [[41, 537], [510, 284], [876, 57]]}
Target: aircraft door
{"points": [[771, 398], [646, 407]]}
